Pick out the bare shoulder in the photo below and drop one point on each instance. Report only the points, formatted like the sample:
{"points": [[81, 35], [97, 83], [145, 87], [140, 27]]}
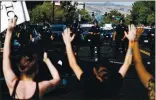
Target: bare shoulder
{"points": [[44, 86]]}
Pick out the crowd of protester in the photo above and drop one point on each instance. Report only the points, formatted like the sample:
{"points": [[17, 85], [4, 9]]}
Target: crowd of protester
{"points": [[100, 83]]}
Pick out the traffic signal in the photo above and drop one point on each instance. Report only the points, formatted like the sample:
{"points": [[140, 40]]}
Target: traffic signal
{"points": [[93, 14], [105, 14]]}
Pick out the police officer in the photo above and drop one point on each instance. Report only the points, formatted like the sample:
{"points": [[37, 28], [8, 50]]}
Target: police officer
{"points": [[119, 37], [95, 40], [77, 30], [152, 40]]}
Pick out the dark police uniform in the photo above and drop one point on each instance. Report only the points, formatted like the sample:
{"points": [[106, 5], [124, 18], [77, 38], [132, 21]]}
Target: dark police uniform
{"points": [[24, 37], [95, 40], [118, 38], [77, 40]]}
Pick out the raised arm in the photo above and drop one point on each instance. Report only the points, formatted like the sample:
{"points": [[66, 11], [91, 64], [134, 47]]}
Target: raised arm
{"points": [[46, 86], [114, 34], [71, 58], [9, 75], [128, 59], [140, 68], [143, 74], [145, 77]]}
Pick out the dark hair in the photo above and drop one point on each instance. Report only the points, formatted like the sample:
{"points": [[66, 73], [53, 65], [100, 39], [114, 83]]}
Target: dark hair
{"points": [[104, 62], [28, 65]]}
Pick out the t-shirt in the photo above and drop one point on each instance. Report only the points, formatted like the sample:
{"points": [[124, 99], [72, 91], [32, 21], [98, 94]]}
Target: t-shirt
{"points": [[120, 31], [93, 88]]}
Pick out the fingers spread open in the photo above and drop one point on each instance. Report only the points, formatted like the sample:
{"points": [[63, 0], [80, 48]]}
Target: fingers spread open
{"points": [[14, 21], [133, 29], [129, 28], [10, 21], [72, 37], [126, 34], [45, 54], [68, 31]]}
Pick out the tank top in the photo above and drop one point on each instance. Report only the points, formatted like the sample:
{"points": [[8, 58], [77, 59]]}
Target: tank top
{"points": [[34, 97]]}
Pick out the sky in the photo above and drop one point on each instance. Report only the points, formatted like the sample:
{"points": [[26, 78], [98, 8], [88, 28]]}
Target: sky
{"points": [[120, 3], [124, 3]]}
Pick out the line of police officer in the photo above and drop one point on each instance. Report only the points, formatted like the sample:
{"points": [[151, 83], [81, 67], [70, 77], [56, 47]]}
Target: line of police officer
{"points": [[94, 38]]}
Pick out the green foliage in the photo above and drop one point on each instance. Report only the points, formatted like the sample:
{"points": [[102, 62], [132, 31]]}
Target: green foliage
{"points": [[143, 12], [111, 17], [128, 19], [62, 14], [69, 11], [41, 13], [85, 16]]}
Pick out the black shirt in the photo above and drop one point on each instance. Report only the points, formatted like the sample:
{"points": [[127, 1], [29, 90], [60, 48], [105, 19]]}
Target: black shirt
{"points": [[93, 88], [120, 31], [95, 29]]}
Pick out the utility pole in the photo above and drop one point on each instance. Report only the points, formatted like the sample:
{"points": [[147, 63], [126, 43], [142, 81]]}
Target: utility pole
{"points": [[53, 10], [84, 6]]}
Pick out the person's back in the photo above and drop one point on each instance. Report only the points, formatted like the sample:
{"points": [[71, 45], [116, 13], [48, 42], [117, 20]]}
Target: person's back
{"points": [[98, 85], [107, 88], [25, 90], [24, 87]]}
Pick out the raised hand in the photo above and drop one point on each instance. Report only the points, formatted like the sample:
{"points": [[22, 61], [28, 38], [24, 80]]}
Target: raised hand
{"points": [[12, 24], [45, 56], [67, 38], [139, 31], [131, 35]]}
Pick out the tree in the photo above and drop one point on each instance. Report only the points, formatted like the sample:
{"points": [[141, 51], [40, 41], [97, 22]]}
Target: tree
{"points": [[69, 11], [128, 19], [111, 17], [64, 14], [85, 16], [143, 12], [41, 13]]}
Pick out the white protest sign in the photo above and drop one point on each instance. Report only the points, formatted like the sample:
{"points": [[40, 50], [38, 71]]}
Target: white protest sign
{"points": [[10, 9]]}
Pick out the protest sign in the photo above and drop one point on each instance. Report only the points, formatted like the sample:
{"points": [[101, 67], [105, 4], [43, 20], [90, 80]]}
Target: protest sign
{"points": [[10, 9]]}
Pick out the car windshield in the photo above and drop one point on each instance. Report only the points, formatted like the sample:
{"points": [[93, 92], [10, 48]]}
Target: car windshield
{"points": [[57, 28], [106, 31], [146, 31], [86, 28]]}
